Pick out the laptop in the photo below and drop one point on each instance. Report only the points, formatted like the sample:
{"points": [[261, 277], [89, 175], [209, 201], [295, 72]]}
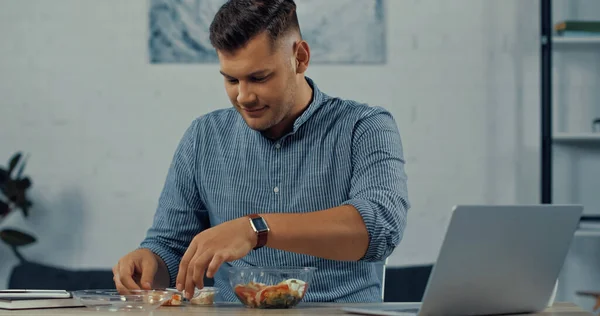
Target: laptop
{"points": [[494, 260]]}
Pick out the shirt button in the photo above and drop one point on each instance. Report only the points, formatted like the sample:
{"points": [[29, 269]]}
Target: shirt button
{"points": [[277, 145], [276, 189]]}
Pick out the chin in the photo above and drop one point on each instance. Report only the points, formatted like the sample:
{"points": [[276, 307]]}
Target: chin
{"points": [[257, 125]]}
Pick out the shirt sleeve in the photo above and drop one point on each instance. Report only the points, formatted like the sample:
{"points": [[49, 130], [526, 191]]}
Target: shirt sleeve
{"points": [[180, 214], [378, 185]]}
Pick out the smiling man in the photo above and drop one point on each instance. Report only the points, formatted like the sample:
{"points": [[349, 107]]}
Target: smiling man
{"points": [[289, 176]]}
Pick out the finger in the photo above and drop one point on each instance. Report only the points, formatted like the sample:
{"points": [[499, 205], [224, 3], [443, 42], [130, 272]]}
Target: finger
{"points": [[126, 276], [215, 263], [115, 271], [189, 280], [200, 266], [183, 266], [118, 285], [149, 267], [116, 279]]}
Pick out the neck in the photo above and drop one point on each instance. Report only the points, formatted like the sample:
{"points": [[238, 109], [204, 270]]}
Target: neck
{"points": [[304, 96]]}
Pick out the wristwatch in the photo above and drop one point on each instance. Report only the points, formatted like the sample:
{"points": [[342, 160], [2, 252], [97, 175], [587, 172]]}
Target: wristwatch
{"points": [[260, 227]]}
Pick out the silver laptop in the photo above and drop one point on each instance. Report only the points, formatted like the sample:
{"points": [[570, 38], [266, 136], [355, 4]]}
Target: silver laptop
{"points": [[495, 260]]}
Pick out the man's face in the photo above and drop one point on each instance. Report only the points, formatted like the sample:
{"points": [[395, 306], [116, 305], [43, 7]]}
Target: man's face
{"points": [[260, 82]]}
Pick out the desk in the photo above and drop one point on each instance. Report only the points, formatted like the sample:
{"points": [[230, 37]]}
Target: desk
{"points": [[323, 309]]}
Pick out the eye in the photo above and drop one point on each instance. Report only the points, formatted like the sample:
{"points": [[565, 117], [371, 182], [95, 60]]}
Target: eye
{"points": [[260, 79], [232, 80]]}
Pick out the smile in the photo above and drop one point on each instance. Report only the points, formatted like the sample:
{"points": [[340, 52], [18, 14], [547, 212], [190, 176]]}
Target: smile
{"points": [[254, 110]]}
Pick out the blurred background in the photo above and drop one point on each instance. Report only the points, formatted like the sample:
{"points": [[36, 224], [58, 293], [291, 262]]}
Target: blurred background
{"points": [[92, 95]]}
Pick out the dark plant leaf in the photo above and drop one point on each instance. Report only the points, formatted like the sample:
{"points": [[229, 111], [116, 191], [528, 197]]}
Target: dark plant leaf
{"points": [[11, 191], [25, 208], [3, 176], [18, 254], [23, 184], [21, 200], [4, 209], [22, 167], [16, 238], [17, 195], [14, 160]]}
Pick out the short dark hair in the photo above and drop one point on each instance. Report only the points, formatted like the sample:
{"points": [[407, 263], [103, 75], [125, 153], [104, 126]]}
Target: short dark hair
{"points": [[238, 21]]}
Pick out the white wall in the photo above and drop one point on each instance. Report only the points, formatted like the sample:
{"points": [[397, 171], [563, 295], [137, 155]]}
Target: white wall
{"points": [[101, 123]]}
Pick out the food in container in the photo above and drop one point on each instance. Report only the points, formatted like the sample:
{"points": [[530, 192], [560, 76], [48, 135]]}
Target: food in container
{"points": [[286, 294], [204, 296], [175, 300], [270, 287]]}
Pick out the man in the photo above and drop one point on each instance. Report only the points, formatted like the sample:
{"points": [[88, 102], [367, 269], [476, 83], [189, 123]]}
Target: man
{"points": [[325, 175]]}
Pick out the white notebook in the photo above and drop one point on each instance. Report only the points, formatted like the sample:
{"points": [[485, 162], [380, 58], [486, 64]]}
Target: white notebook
{"points": [[35, 299], [30, 294]]}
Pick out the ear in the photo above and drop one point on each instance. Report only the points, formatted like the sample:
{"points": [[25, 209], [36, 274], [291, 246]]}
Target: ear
{"points": [[302, 56]]}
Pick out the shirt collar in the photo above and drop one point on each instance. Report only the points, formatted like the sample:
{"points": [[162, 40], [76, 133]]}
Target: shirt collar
{"points": [[318, 98]]}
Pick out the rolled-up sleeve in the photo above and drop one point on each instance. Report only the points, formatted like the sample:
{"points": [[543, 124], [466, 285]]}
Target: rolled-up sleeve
{"points": [[180, 214], [378, 186]]}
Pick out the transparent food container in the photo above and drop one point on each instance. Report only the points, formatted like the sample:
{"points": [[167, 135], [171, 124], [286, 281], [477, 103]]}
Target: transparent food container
{"points": [[201, 297], [261, 287], [132, 300]]}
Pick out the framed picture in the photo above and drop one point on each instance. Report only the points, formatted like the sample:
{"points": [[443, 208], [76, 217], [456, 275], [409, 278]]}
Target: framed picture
{"points": [[337, 31]]}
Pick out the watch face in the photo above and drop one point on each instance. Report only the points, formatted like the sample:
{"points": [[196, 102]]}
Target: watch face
{"points": [[260, 224]]}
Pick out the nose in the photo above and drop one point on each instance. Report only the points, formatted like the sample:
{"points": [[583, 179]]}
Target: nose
{"points": [[245, 95]]}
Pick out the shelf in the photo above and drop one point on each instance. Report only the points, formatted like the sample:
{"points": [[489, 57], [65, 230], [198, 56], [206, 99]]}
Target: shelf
{"points": [[587, 233], [576, 138], [576, 40], [589, 226]]}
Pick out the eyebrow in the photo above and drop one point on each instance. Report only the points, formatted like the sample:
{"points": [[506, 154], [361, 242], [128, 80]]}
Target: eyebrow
{"points": [[254, 74]]}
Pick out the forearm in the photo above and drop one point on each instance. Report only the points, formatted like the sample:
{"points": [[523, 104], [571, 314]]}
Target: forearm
{"points": [[180, 214], [338, 233], [167, 260]]}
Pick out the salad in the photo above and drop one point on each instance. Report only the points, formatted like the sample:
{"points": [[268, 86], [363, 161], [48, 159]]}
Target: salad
{"points": [[205, 296], [175, 300], [285, 294]]}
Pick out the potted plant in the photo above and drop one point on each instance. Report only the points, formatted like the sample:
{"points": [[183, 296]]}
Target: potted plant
{"points": [[13, 196], [33, 275]]}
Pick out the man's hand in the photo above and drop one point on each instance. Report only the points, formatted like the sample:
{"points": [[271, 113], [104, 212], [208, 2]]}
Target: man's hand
{"points": [[140, 269], [226, 242]]}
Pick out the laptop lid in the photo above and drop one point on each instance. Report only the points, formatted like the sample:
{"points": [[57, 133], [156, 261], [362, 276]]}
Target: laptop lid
{"points": [[495, 260], [500, 259]]}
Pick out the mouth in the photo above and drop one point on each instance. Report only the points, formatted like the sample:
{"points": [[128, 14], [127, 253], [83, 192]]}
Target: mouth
{"points": [[254, 112]]}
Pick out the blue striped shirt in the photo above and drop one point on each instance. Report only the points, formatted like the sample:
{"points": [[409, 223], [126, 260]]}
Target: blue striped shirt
{"points": [[339, 152]]}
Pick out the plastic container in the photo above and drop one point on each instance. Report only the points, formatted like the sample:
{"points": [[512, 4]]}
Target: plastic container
{"points": [[112, 300], [263, 287], [204, 296], [201, 297]]}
